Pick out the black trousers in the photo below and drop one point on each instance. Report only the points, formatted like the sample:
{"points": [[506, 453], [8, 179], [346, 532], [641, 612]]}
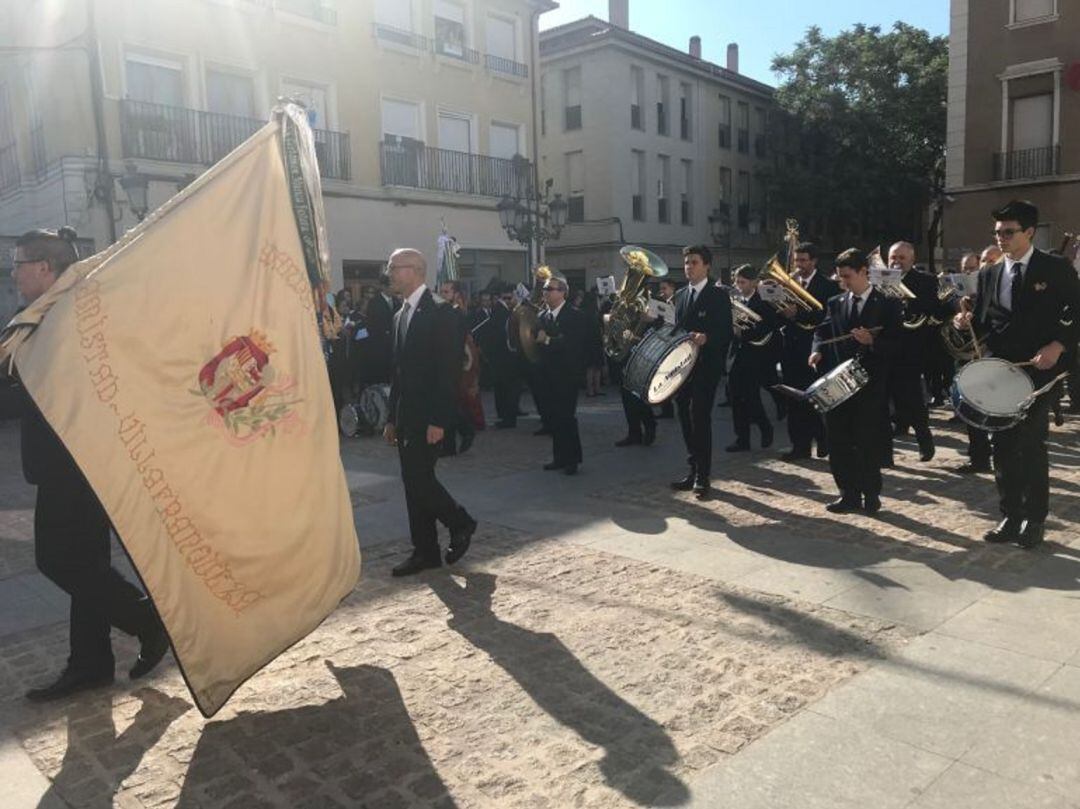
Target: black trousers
{"points": [[638, 414], [746, 405], [694, 404], [978, 446], [1021, 466], [425, 498], [538, 391], [906, 392], [855, 442], [71, 548], [804, 424], [507, 384], [463, 426], [562, 419]]}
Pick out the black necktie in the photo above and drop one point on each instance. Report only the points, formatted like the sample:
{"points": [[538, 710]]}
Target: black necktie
{"points": [[855, 305], [1017, 284], [693, 297]]}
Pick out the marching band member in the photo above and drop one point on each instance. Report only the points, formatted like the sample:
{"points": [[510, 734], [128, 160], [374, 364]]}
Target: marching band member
{"points": [[804, 424], [905, 377], [754, 364], [705, 312], [561, 342], [1020, 310], [873, 323]]}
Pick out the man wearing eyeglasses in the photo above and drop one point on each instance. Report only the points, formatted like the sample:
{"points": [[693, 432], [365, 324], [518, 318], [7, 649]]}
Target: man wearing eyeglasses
{"points": [[1020, 310], [560, 339]]}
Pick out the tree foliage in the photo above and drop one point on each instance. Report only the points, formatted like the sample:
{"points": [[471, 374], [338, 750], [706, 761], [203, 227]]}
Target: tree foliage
{"points": [[862, 131]]}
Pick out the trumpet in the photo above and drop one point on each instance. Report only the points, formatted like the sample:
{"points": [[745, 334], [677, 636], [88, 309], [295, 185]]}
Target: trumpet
{"points": [[742, 316]]}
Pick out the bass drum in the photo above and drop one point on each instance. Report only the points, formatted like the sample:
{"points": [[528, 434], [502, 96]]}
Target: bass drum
{"points": [[369, 415], [660, 364]]}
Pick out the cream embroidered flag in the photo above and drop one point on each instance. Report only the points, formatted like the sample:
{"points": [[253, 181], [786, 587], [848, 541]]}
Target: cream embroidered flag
{"points": [[182, 368]]}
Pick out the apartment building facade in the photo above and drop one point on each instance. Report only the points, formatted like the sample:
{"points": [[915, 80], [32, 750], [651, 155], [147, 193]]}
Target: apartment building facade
{"points": [[646, 142], [1013, 117], [418, 108]]}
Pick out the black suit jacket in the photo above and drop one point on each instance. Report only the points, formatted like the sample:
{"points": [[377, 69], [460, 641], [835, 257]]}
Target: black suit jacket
{"points": [[563, 359], [45, 459], [1050, 291], [379, 345], [426, 370], [878, 312], [710, 315], [799, 335]]}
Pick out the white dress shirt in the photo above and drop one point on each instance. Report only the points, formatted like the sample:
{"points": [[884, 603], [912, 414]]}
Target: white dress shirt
{"points": [[1005, 287]]}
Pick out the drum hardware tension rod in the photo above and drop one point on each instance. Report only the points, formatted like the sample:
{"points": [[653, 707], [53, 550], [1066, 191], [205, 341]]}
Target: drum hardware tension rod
{"points": [[843, 337]]}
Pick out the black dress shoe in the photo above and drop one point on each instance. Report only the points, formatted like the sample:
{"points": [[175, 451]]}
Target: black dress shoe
{"points": [[1008, 530], [738, 446], [684, 484], [459, 542], [822, 450], [845, 505], [466, 442], [551, 467], [766, 436], [505, 425], [70, 681], [795, 455], [926, 447], [152, 647], [570, 469], [415, 564], [899, 432], [650, 435], [542, 431], [1032, 534], [871, 504], [629, 441], [702, 487], [972, 468]]}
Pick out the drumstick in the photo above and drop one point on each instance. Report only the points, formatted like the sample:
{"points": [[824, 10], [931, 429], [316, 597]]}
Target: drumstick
{"points": [[976, 349], [843, 337]]}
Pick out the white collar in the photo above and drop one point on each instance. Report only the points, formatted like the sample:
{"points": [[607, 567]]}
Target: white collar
{"points": [[700, 285], [414, 298], [861, 298], [1024, 259], [807, 279], [556, 310]]}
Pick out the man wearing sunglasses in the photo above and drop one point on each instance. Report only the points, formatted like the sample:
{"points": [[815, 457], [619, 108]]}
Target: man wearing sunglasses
{"points": [[1020, 309], [560, 339]]}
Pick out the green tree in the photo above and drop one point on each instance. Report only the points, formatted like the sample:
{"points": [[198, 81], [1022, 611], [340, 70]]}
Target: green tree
{"points": [[861, 133]]}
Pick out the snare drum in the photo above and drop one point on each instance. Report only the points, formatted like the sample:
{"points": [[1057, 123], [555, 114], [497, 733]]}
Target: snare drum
{"points": [[837, 386], [992, 394], [660, 364]]}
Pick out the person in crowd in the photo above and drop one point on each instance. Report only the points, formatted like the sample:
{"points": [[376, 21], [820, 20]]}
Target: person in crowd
{"points": [[594, 344], [756, 352], [560, 340], [453, 292]]}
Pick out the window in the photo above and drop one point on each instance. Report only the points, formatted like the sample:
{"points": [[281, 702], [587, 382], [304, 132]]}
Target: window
{"points": [[662, 105], [230, 93], [663, 182], [450, 39], [743, 127], [725, 122], [760, 123], [687, 192], [1032, 122], [725, 185], [1032, 10], [315, 97], [575, 184], [543, 103], [637, 93], [396, 14], [455, 132], [572, 94], [402, 148], [684, 111], [155, 81], [744, 200], [501, 38], [400, 119], [1030, 133], [637, 184], [503, 140]]}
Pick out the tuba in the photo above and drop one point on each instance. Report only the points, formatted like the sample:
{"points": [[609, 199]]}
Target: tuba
{"points": [[623, 325], [526, 315], [783, 291], [743, 318]]}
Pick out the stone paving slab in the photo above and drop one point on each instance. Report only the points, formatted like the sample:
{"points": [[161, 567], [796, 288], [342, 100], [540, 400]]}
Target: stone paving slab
{"points": [[529, 678]]}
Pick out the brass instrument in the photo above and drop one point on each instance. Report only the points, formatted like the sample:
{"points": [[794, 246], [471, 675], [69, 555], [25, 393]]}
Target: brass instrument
{"points": [[742, 316], [526, 316], [784, 290], [961, 345], [623, 325], [897, 289]]}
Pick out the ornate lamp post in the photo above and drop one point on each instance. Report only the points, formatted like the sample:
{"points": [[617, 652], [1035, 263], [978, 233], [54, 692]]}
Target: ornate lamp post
{"points": [[529, 217]]}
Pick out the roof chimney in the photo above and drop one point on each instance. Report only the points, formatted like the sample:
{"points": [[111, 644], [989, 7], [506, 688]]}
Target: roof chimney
{"points": [[619, 13], [733, 57], [695, 47]]}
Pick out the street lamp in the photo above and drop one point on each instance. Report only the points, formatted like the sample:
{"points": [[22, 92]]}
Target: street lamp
{"points": [[135, 185], [720, 228], [528, 217]]}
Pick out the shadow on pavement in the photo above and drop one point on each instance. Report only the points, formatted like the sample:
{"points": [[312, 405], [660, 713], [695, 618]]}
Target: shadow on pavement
{"points": [[354, 750], [637, 750], [96, 730]]}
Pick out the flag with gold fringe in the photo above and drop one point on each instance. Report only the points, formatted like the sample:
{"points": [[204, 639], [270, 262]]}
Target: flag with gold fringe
{"points": [[182, 369]]}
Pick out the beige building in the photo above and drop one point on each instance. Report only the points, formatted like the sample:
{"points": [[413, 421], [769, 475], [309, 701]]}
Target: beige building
{"points": [[418, 107], [1014, 117], [645, 141]]}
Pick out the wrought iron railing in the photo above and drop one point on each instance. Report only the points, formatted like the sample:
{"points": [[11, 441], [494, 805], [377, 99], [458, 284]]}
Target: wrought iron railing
{"points": [[1025, 163], [411, 164], [453, 50], [399, 36], [312, 9], [500, 64], [180, 135]]}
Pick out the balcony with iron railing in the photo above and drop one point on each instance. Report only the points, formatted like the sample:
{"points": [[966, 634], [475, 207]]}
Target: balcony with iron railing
{"points": [[411, 164], [1024, 164], [312, 9], [180, 135], [449, 49]]}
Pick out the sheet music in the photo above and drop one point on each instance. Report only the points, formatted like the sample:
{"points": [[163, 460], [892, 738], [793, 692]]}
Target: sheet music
{"points": [[659, 309]]}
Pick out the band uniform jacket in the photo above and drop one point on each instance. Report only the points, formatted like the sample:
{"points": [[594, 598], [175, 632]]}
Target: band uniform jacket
{"points": [[877, 312], [916, 342], [379, 345], [710, 315], [799, 335], [1045, 312], [426, 370], [757, 349], [562, 361], [45, 459]]}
